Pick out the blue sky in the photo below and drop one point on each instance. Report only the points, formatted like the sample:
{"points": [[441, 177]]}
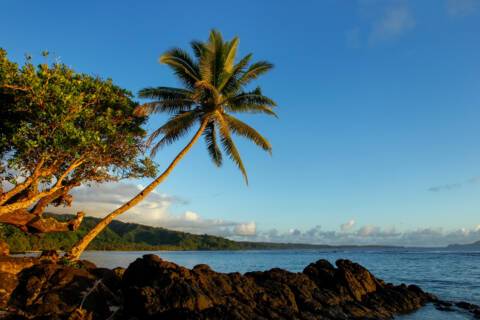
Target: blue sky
{"points": [[378, 104]]}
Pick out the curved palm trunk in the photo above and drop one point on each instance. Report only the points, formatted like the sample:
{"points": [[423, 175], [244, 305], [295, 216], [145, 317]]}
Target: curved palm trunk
{"points": [[81, 245]]}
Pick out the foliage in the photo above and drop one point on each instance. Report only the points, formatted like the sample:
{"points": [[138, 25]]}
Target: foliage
{"points": [[60, 129], [214, 87]]}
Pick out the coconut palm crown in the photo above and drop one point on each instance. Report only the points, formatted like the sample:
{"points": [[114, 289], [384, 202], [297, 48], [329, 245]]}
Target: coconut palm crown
{"points": [[214, 88]]}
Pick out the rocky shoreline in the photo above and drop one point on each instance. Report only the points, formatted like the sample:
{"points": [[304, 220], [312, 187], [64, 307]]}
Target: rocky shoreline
{"points": [[152, 288]]}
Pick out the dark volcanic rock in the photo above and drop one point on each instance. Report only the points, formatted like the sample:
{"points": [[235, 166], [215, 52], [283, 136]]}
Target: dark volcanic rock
{"points": [[154, 288], [55, 291], [14, 265], [8, 282], [4, 248]]}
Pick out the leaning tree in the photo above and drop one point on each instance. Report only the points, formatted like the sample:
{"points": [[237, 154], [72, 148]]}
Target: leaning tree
{"points": [[61, 129], [214, 87]]}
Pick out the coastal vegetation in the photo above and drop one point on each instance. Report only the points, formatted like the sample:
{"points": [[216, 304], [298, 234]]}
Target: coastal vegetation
{"points": [[61, 129], [117, 236], [131, 236]]}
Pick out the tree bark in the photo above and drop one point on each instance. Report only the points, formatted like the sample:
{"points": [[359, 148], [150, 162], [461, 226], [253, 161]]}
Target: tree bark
{"points": [[5, 196], [31, 223], [42, 204], [4, 248], [82, 244], [31, 199]]}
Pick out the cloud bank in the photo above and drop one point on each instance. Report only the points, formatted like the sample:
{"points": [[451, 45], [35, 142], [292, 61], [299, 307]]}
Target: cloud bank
{"points": [[158, 210], [155, 210], [370, 235]]}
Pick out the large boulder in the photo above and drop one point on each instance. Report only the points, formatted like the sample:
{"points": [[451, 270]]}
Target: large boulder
{"points": [[14, 265], [8, 283], [50, 290]]}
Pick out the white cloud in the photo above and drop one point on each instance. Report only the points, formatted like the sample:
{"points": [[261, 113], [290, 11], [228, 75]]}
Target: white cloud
{"points": [[461, 7], [380, 21], [294, 232], [367, 231], [155, 210], [245, 229], [347, 226], [394, 22], [191, 216]]}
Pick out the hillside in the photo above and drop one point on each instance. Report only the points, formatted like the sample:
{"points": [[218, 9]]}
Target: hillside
{"points": [[117, 236], [131, 236]]}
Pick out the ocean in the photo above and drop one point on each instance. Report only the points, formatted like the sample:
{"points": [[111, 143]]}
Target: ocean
{"points": [[450, 274]]}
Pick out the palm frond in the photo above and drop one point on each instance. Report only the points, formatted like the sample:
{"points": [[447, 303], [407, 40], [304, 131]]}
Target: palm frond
{"points": [[240, 66], [231, 84], [183, 66], [164, 93], [252, 97], [206, 86], [174, 129], [231, 53], [198, 48], [215, 38], [205, 64], [229, 146], [255, 70], [212, 145], [168, 106], [170, 100], [217, 63], [251, 108], [241, 128]]}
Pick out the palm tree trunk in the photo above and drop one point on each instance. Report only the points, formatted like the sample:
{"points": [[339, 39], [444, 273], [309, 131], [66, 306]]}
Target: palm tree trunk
{"points": [[81, 245]]}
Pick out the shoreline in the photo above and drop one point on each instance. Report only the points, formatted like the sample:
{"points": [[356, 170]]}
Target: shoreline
{"points": [[346, 291], [321, 247], [201, 292]]}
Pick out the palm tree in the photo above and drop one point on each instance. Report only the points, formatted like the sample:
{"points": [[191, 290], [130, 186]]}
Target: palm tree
{"points": [[214, 88]]}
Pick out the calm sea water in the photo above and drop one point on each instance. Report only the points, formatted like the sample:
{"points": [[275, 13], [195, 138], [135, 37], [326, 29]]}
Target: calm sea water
{"points": [[451, 275]]}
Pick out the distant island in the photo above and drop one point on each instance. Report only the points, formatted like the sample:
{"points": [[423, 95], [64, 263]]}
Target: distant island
{"points": [[475, 245], [123, 236]]}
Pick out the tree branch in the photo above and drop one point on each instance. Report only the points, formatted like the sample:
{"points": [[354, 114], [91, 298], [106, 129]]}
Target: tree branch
{"points": [[31, 223], [4, 197], [9, 86], [72, 167], [31, 199], [40, 206]]}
